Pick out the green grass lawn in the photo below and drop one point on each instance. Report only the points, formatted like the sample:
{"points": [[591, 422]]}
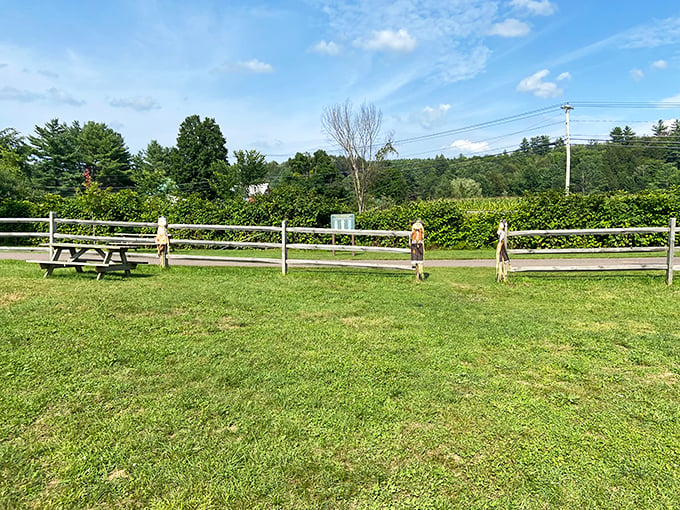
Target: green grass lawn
{"points": [[242, 388]]}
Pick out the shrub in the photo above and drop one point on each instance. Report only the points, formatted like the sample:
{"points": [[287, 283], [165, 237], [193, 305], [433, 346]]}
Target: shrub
{"points": [[446, 226]]}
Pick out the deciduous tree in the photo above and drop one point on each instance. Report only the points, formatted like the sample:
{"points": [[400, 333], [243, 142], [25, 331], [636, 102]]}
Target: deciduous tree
{"points": [[357, 134], [13, 164]]}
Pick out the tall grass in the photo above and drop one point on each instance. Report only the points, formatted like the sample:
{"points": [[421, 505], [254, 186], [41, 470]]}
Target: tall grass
{"points": [[488, 204], [242, 388]]}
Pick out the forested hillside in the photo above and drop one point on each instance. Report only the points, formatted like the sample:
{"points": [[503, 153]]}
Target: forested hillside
{"points": [[64, 159]]}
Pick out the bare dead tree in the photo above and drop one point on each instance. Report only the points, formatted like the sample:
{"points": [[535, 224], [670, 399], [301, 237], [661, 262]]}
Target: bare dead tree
{"points": [[357, 134]]}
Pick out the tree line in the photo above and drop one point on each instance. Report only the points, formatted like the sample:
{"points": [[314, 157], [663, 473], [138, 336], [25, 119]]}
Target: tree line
{"points": [[64, 159]]}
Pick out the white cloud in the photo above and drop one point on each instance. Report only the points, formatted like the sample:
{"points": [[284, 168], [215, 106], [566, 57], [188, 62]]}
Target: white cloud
{"points": [[564, 76], [647, 35], [659, 64], [672, 99], [466, 146], [59, 96], [388, 40], [14, 94], [26, 96], [448, 37], [141, 104], [510, 28], [652, 35], [429, 117], [536, 86], [459, 66], [251, 66], [637, 74], [326, 48], [537, 7]]}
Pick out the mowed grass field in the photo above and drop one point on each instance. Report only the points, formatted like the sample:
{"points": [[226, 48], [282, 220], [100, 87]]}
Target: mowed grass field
{"points": [[242, 388]]}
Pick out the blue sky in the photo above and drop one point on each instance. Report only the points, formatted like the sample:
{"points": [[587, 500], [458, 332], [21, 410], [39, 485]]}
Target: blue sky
{"points": [[265, 70]]}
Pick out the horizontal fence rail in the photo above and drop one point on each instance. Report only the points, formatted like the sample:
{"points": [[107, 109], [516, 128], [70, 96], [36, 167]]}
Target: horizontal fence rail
{"points": [[102, 223], [24, 220], [284, 232], [503, 250], [588, 231], [373, 233]]}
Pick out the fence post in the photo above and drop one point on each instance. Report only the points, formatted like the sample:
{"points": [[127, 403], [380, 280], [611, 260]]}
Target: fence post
{"points": [[284, 264], [53, 229], [671, 252]]}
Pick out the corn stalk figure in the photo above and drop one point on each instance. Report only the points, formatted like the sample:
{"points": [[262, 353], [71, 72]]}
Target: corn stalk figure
{"points": [[502, 258]]}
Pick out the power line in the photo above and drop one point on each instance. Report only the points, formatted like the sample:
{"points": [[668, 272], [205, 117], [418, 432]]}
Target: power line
{"points": [[473, 127], [621, 104]]}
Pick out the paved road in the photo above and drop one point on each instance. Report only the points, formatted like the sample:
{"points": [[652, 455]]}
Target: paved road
{"points": [[24, 255]]}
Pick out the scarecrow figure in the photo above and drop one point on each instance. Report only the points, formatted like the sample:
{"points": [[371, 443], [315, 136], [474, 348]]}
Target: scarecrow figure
{"points": [[417, 242], [162, 241], [502, 258]]}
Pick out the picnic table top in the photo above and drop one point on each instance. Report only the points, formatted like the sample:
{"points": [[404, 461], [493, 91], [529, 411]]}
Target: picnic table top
{"points": [[109, 246]]}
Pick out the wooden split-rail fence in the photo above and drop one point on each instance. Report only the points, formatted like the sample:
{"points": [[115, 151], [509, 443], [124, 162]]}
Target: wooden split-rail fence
{"points": [[505, 235], [285, 234]]}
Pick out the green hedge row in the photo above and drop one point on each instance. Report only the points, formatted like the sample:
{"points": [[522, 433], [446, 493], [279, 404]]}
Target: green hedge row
{"points": [[446, 225]]}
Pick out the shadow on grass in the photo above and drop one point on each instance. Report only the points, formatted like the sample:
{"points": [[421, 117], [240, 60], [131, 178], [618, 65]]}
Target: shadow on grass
{"points": [[382, 273], [583, 275]]}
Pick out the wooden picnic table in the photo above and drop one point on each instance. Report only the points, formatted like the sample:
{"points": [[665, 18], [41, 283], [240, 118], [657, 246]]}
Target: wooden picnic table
{"points": [[104, 258]]}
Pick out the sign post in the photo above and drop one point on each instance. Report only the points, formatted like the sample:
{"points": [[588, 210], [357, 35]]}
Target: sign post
{"points": [[342, 222]]}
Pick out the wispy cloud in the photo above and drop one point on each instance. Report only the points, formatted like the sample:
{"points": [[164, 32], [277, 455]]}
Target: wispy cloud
{"points": [[429, 117], [537, 7], [652, 35], [467, 147], [647, 35], [659, 64], [326, 48], [43, 72], [138, 103], [48, 74], [564, 76], [462, 65], [673, 99], [445, 39], [388, 40], [59, 96], [510, 28], [250, 66], [536, 85], [14, 94], [26, 96], [637, 74]]}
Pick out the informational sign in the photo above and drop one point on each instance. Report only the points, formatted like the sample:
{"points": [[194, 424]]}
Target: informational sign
{"points": [[342, 221]]}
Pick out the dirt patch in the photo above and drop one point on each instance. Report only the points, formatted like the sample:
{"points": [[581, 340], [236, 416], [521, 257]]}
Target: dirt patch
{"points": [[117, 473], [367, 322], [666, 377], [229, 323], [10, 299], [305, 315]]}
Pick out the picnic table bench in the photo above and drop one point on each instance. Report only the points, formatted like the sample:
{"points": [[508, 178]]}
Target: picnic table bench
{"points": [[99, 256]]}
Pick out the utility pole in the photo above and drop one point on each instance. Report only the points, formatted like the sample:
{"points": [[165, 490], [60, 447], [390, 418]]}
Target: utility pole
{"points": [[566, 109]]}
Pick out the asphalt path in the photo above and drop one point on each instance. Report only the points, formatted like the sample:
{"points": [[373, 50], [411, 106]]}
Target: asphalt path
{"points": [[574, 262]]}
